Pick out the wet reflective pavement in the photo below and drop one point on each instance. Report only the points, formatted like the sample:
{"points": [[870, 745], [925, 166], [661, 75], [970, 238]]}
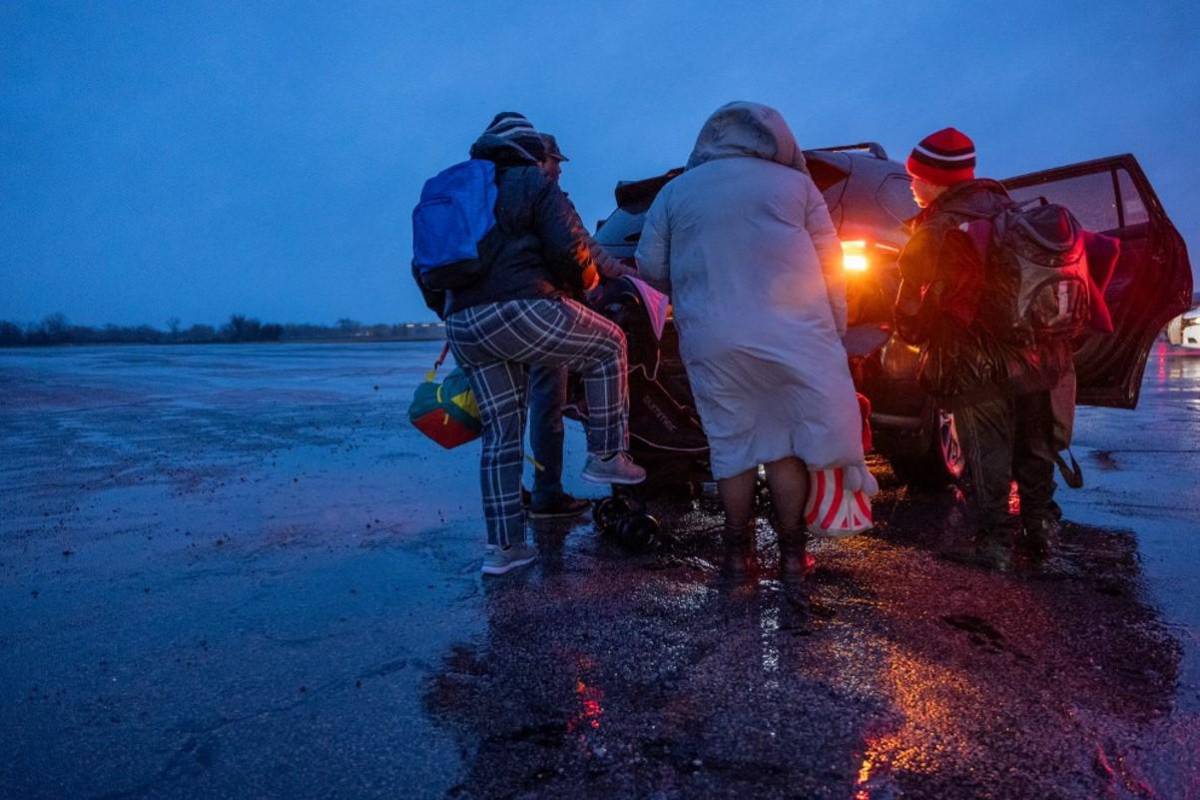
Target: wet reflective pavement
{"points": [[238, 572]]}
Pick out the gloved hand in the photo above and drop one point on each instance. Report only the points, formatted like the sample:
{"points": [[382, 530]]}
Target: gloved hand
{"points": [[612, 268], [859, 477]]}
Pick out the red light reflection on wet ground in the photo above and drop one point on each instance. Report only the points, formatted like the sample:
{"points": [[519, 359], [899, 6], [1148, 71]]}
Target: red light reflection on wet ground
{"points": [[862, 784], [926, 695], [590, 698], [591, 708], [933, 691]]}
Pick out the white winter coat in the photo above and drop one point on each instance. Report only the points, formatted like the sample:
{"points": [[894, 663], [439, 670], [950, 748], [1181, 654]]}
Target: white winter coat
{"points": [[743, 243]]}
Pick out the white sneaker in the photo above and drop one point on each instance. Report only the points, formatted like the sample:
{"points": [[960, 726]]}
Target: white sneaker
{"points": [[618, 468], [499, 560]]}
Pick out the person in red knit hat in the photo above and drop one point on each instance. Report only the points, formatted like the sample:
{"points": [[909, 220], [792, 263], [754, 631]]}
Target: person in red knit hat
{"points": [[940, 161], [999, 392]]}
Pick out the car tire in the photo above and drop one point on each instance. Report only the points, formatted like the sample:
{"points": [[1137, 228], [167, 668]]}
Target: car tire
{"points": [[940, 463]]}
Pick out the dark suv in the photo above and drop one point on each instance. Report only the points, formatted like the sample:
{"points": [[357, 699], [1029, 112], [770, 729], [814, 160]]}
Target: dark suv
{"points": [[870, 202]]}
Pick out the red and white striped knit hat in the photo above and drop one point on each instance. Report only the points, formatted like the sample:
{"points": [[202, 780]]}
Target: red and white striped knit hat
{"points": [[943, 158]]}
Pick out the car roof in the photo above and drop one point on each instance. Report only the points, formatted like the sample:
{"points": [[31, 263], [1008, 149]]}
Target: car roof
{"points": [[851, 177]]}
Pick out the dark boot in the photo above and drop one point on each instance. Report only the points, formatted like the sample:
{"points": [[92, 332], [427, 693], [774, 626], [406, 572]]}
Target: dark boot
{"points": [[559, 505], [993, 549], [740, 557], [1038, 537], [795, 561]]}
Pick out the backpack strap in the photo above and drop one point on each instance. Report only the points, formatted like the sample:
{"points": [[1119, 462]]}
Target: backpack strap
{"points": [[979, 231], [429, 376], [1072, 475]]}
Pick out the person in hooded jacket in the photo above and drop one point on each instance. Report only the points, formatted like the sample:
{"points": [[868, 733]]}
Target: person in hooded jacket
{"points": [[999, 389], [520, 314], [743, 243]]}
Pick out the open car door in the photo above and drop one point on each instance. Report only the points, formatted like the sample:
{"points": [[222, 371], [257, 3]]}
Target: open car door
{"points": [[1152, 281]]}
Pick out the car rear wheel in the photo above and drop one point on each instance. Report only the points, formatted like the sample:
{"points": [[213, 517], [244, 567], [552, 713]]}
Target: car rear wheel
{"points": [[940, 462]]}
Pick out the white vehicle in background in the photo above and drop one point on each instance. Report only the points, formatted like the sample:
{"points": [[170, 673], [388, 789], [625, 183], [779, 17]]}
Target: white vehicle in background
{"points": [[1184, 330]]}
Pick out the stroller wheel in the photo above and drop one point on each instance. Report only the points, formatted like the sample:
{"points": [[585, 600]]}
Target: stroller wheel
{"points": [[637, 532], [608, 511], [601, 510]]}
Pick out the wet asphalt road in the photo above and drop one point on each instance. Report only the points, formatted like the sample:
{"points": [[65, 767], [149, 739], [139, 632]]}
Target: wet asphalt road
{"points": [[238, 572]]}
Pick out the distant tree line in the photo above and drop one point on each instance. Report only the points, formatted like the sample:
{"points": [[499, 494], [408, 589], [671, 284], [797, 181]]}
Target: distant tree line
{"points": [[56, 329]]}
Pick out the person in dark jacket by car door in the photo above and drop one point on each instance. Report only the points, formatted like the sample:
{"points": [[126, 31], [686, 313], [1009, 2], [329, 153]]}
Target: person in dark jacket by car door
{"points": [[548, 393], [999, 390], [519, 314]]}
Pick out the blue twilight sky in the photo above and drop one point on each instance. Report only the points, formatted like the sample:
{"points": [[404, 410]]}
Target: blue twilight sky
{"points": [[196, 159]]}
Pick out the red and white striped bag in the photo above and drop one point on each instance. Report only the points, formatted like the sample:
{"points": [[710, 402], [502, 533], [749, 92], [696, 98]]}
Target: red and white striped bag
{"points": [[839, 499], [833, 509]]}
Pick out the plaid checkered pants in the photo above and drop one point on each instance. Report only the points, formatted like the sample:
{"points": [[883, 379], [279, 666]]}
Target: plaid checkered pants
{"points": [[495, 344]]}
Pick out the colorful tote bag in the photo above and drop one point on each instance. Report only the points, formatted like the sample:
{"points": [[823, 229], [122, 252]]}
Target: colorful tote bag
{"points": [[446, 412]]}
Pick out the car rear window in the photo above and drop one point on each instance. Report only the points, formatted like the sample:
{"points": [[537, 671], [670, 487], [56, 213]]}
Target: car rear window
{"points": [[894, 196], [824, 175], [621, 229]]}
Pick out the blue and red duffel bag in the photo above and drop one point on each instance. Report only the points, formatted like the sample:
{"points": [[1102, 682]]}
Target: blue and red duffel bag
{"points": [[446, 412]]}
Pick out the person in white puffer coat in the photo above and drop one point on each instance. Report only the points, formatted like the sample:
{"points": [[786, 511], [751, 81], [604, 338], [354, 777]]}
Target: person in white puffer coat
{"points": [[743, 243]]}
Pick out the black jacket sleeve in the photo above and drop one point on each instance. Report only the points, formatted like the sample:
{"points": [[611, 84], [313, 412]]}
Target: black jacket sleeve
{"points": [[918, 264], [435, 301], [566, 244]]}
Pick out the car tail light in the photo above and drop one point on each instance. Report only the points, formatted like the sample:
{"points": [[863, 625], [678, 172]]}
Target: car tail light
{"points": [[854, 256], [858, 254]]}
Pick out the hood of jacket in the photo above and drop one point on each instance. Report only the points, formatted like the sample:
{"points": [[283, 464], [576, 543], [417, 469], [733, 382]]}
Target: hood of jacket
{"points": [[741, 129], [975, 198]]}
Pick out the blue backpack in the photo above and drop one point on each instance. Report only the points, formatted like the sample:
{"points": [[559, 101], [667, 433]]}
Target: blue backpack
{"points": [[457, 209]]}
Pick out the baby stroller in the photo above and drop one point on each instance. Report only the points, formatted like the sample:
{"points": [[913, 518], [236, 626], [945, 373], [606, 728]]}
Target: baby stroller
{"points": [[665, 436]]}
